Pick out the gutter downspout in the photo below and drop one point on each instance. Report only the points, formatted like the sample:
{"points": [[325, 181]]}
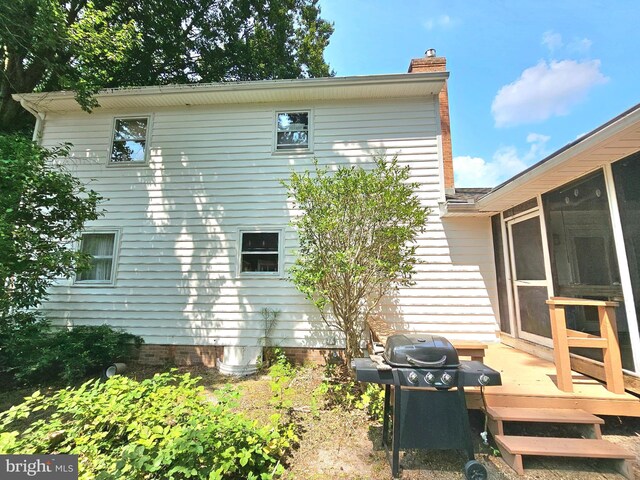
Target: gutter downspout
{"points": [[40, 118]]}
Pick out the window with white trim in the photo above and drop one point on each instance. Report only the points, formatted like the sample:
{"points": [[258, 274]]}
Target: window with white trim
{"points": [[129, 143], [260, 252], [102, 249], [292, 130]]}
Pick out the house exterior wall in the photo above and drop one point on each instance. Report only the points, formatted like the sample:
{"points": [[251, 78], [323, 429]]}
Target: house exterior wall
{"points": [[211, 172]]}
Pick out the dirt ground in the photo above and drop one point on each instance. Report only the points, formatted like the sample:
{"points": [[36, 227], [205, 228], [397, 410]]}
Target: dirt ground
{"points": [[345, 445]]}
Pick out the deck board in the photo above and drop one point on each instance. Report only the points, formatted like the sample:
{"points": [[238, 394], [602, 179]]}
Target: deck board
{"points": [[529, 381]]}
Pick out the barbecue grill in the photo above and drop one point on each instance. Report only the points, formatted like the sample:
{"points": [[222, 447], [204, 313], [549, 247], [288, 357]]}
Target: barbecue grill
{"points": [[427, 409]]}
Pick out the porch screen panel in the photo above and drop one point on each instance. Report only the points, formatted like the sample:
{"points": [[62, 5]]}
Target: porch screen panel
{"points": [[534, 317], [527, 243], [626, 176], [501, 279], [583, 257]]}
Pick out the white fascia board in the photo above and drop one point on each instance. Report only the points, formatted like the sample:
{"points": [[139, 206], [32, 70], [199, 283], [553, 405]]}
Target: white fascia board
{"points": [[369, 86]]}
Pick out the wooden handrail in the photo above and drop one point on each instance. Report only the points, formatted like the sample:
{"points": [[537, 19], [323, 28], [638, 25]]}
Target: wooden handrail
{"points": [[581, 302], [564, 338]]}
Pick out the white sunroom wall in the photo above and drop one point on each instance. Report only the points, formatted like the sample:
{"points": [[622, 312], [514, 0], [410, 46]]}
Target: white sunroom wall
{"points": [[211, 172]]}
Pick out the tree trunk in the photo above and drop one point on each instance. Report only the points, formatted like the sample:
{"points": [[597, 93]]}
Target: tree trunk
{"points": [[353, 334]]}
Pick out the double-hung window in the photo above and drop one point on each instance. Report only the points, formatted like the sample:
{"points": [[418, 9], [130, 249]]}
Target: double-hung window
{"points": [[260, 252], [129, 142], [101, 247], [292, 131]]}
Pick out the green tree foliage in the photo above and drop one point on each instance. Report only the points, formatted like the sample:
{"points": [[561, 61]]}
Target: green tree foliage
{"points": [[85, 45], [357, 231], [42, 211]]}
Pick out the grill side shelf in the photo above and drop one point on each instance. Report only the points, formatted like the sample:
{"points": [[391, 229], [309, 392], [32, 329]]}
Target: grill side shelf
{"points": [[368, 372]]}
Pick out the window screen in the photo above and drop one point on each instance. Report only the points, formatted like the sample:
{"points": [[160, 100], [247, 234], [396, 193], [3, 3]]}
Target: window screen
{"points": [[260, 252], [129, 140], [292, 130], [101, 247]]}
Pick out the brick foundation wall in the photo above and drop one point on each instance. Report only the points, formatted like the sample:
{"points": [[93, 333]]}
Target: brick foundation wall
{"points": [[317, 356], [180, 355], [186, 355]]}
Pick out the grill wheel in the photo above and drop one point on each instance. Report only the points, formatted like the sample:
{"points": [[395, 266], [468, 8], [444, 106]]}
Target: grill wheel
{"points": [[475, 471]]}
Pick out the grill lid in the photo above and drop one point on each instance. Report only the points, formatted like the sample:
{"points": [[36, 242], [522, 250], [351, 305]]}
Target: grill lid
{"points": [[420, 351]]}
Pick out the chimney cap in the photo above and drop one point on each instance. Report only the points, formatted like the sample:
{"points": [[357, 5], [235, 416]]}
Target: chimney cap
{"points": [[431, 52]]}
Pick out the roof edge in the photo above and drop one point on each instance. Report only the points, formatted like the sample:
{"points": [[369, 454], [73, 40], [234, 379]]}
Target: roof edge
{"points": [[596, 135], [34, 99]]}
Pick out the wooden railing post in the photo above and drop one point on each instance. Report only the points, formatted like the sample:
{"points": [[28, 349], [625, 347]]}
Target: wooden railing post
{"points": [[561, 348], [564, 338], [612, 358]]}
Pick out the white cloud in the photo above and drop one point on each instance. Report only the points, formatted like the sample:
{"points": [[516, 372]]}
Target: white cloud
{"points": [[545, 90], [579, 45], [506, 162], [443, 21], [552, 40]]}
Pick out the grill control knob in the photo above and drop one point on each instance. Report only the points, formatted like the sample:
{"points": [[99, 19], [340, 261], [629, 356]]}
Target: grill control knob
{"points": [[446, 378], [484, 379], [413, 377], [429, 377]]}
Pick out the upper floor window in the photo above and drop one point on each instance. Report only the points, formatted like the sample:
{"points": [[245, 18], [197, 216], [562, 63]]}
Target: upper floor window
{"points": [[129, 144], [292, 130], [260, 252], [102, 249]]}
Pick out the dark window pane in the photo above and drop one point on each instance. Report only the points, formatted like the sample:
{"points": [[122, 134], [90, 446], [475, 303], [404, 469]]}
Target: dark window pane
{"points": [[534, 312], [292, 139], [260, 242], [292, 130], [128, 151], [100, 270], [527, 245], [501, 280], [131, 129], [293, 121], [99, 244], [581, 241], [101, 247], [259, 262]]}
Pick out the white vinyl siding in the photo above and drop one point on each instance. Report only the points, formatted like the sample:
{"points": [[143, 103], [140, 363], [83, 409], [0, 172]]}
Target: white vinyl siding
{"points": [[212, 173]]}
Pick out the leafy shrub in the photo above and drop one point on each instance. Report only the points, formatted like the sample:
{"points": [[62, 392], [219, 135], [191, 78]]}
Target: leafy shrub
{"points": [[31, 352], [339, 390], [160, 428], [372, 401], [282, 374]]}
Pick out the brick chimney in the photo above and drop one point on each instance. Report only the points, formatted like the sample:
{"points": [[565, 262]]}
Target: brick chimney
{"points": [[431, 63]]}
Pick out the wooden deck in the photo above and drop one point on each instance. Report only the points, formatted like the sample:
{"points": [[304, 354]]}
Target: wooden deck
{"points": [[529, 381]]}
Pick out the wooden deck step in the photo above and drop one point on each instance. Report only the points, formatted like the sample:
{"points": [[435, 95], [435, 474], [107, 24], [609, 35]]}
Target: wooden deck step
{"points": [[514, 447], [543, 415], [562, 447], [586, 423]]}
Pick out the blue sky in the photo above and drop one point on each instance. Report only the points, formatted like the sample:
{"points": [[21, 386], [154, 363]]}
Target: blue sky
{"points": [[527, 77]]}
